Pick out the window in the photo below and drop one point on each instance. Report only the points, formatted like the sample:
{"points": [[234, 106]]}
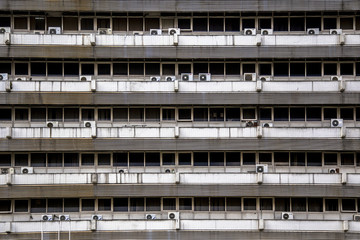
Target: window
{"points": [[184, 23], [232, 114], [249, 204], [313, 114], [281, 158], [200, 24], [330, 113], [55, 114], [5, 114], [120, 69], [232, 24], [87, 114], [314, 159], [347, 113], [21, 205], [346, 69], [152, 69], [329, 23], [120, 114], [87, 159], [248, 23], [331, 205], [5, 160], [313, 22], [104, 69], [54, 160], [216, 159], [153, 204], [20, 23], [330, 69], [249, 158], [119, 24], [38, 69], [232, 69], [347, 159], [37, 23], [169, 204], [5, 21], [53, 21], [168, 159], [313, 69], [281, 24], [152, 23], [103, 23], [70, 23], [281, 69], [21, 159], [358, 114], [120, 159], [266, 204], [216, 24], [200, 159], [265, 69], [248, 68], [135, 24], [55, 69], [265, 158], [136, 159], [201, 204], [264, 23], [137, 204], [5, 205], [38, 114], [348, 205], [200, 68], [297, 114], [297, 159], [185, 203], [104, 114], [38, 160], [184, 68], [152, 159], [87, 204], [104, 159], [281, 114], [168, 114], [330, 158], [71, 159], [87, 24], [121, 205], [298, 204], [233, 158], [184, 114], [297, 69], [21, 114], [248, 113], [152, 114], [265, 114], [38, 206], [315, 204], [55, 205], [21, 68], [168, 69], [282, 204], [184, 159], [297, 24], [136, 114], [346, 23], [87, 69], [233, 204], [71, 114], [216, 114], [217, 204], [104, 204]]}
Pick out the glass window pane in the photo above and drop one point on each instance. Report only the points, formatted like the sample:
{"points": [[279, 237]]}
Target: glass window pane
{"points": [[5, 160], [87, 204], [104, 159], [21, 205], [200, 159], [331, 205], [104, 114], [137, 204], [298, 204], [120, 114], [38, 114], [21, 159], [315, 204], [54, 160], [249, 204], [184, 159], [217, 204], [152, 114], [71, 114], [87, 114], [168, 159], [55, 205], [136, 114], [233, 204], [153, 204], [282, 204], [266, 204], [121, 205], [233, 158], [185, 203], [87, 159], [169, 204], [136, 159], [71, 159], [104, 204], [38, 206], [37, 159], [201, 114], [168, 114], [201, 204], [152, 159], [120, 159]]}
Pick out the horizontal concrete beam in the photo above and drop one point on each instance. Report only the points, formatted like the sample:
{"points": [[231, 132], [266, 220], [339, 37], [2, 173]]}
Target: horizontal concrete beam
{"points": [[16, 98], [173, 190], [197, 52], [181, 5], [178, 144]]}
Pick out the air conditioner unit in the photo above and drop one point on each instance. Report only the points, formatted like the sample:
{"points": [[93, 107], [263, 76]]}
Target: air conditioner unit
{"points": [[334, 170], [170, 78], [27, 170], [85, 78], [265, 78], [52, 124], [97, 217], [150, 216], [261, 168], [155, 78], [204, 76], [313, 31], [250, 31], [64, 217], [336, 122], [7, 171], [173, 215], [173, 31], [335, 31], [155, 31], [266, 31], [4, 76], [356, 217], [186, 76], [169, 170], [123, 171], [47, 217], [336, 78], [5, 30], [251, 124], [39, 32], [89, 124], [138, 33], [287, 215], [267, 125], [249, 76], [103, 31], [54, 30]]}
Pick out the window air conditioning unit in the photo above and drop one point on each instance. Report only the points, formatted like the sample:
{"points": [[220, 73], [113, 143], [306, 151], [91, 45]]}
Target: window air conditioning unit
{"points": [[187, 76], [336, 122], [266, 31], [170, 78], [85, 78], [169, 170], [52, 124], [155, 78], [27, 170], [251, 124], [173, 31], [335, 31], [267, 125], [357, 217], [265, 78], [39, 32], [250, 31], [173, 215], [103, 31], [313, 31], [150, 216], [123, 171], [89, 124], [249, 76], [97, 217], [261, 168], [5, 30], [7, 170], [64, 217], [336, 78], [204, 76], [287, 215], [155, 31], [54, 30], [334, 170], [4, 76], [138, 33], [47, 217]]}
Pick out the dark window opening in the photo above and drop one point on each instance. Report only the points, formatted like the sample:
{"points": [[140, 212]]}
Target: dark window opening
{"points": [[87, 159], [70, 23], [201, 204], [37, 23], [55, 205], [232, 114], [152, 23], [248, 113], [38, 206], [313, 69], [265, 158], [103, 23], [216, 159], [232, 24], [72, 159], [5, 68], [216, 24], [200, 114], [87, 204], [104, 159], [137, 204], [330, 113], [281, 158], [54, 21], [185, 203], [331, 205], [5, 114], [297, 114], [314, 159], [168, 114], [169, 204], [168, 69], [55, 114], [54, 160], [20, 23], [233, 158], [38, 159], [200, 24], [54, 69], [249, 204], [5, 21], [347, 159], [104, 69], [87, 24], [216, 114], [248, 23], [121, 205], [347, 23], [38, 114], [330, 69], [346, 69], [249, 158], [21, 114], [264, 23], [21, 160], [104, 204], [184, 114], [281, 69], [266, 204], [135, 24], [5, 160], [152, 114], [265, 114], [265, 69], [21, 205], [153, 204], [297, 24], [297, 159], [282, 204], [249, 68], [330, 159], [184, 159], [329, 23], [87, 69], [21, 69], [168, 159], [234, 68], [87, 114], [233, 204], [71, 114], [152, 69], [136, 159], [120, 159], [281, 114], [38, 69], [348, 205], [200, 68], [200, 159], [104, 114], [152, 159], [217, 68], [217, 204], [136, 114], [136, 69], [184, 68], [315, 204], [347, 113], [184, 23], [120, 69], [281, 25], [313, 114], [71, 69], [297, 69], [298, 204], [313, 22], [120, 114]]}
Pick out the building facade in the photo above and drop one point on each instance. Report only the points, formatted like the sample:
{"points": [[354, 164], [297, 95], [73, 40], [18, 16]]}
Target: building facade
{"points": [[179, 119]]}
